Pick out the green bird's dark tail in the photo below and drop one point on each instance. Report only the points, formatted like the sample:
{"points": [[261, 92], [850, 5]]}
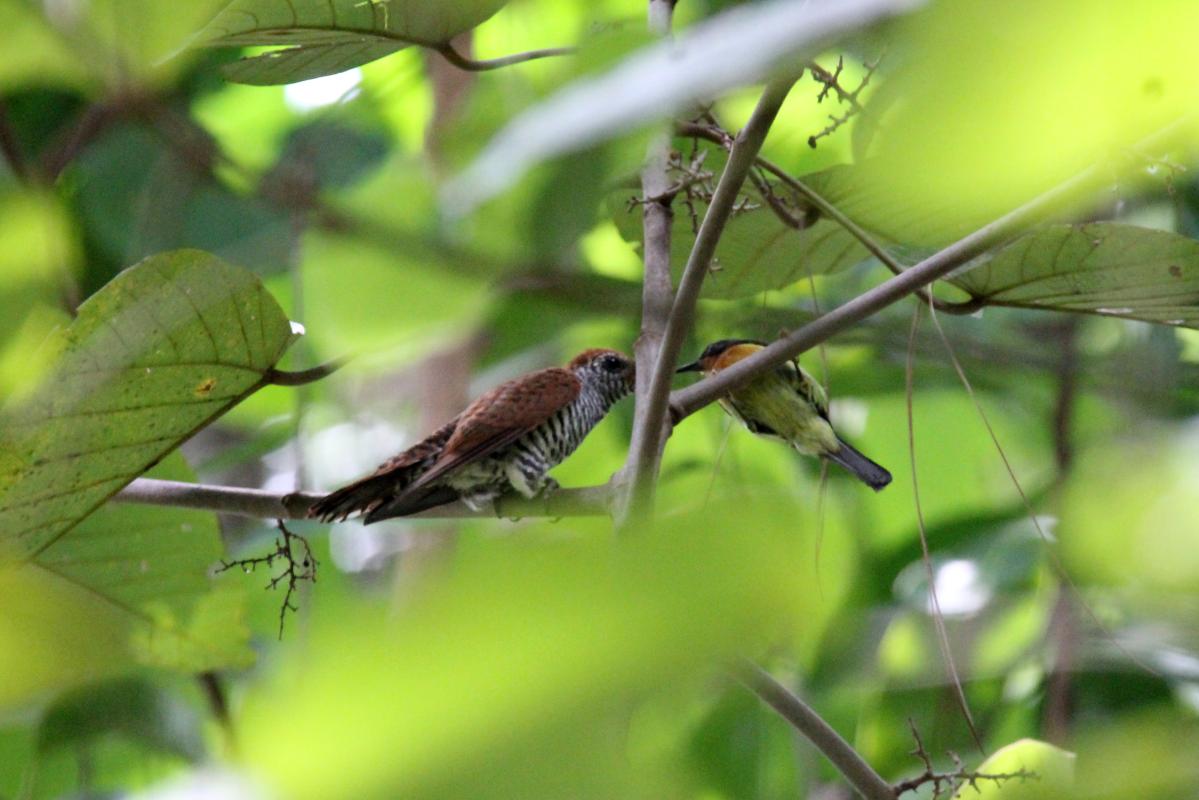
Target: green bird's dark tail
{"points": [[869, 473]]}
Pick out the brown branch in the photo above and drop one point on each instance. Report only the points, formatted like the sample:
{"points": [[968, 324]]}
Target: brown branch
{"points": [[657, 297], [483, 65], [645, 459], [300, 566], [860, 775], [689, 400], [589, 501]]}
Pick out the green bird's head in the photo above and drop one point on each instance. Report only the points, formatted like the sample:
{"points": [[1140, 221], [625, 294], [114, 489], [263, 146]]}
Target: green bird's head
{"points": [[721, 355]]}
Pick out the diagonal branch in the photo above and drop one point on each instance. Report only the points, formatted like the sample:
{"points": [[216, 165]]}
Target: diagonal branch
{"points": [[588, 501], [689, 400], [645, 459], [860, 775]]}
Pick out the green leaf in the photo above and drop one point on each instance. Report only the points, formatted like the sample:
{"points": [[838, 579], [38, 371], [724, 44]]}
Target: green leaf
{"points": [[165, 348], [127, 587], [561, 632], [1102, 268], [1053, 766], [325, 37], [132, 707]]}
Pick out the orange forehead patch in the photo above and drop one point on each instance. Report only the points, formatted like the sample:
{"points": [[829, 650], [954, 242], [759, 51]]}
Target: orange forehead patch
{"points": [[731, 356]]}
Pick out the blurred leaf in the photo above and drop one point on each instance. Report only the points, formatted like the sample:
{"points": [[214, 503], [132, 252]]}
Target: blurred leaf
{"points": [[1100, 268], [559, 632], [1053, 766], [165, 348], [135, 578], [325, 154], [325, 37], [1138, 756], [34, 53], [1128, 513], [740, 46], [966, 127], [134, 708]]}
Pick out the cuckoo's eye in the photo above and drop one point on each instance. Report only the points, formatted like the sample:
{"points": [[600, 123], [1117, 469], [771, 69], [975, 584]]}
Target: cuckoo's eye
{"points": [[611, 363]]}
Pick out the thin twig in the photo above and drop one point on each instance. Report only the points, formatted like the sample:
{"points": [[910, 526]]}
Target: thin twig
{"points": [[689, 400], [935, 603], [825, 208], [300, 566], [860, 775], [589, 501], [483, 65], [279, 377], [950, 783], [644, 460]]}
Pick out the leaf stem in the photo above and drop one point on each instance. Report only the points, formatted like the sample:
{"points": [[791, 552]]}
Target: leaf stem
{"points": [[483, 65]]}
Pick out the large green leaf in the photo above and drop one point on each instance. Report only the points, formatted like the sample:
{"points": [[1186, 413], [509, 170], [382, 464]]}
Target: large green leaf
{"points": [[1101, 268], [324, 37], [561, 632], [165, 348], [127, 587]]}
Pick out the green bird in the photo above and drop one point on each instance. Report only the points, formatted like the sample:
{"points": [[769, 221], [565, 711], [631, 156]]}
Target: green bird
{"points": [[786, 404]]}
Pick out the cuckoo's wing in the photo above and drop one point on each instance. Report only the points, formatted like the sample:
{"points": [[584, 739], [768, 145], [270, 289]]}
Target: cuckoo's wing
{"points": [[501, 416]]}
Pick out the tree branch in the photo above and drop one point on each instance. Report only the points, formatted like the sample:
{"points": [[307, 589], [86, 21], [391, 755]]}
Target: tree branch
{"points": [[687, 401], [645, 459], [860, 775], [657, 293], [588, 501], [471, 65]]}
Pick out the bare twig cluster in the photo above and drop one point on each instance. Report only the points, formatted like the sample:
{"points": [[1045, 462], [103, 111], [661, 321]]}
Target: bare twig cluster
{"points": [[299, 566], [950, 784], [830, 83]]}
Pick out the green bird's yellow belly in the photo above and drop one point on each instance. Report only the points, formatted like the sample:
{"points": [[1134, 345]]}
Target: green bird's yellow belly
{"points": [[772, 403]]}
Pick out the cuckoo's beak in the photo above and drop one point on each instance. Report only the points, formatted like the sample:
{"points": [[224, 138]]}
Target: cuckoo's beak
{"points": [[694, 366]]}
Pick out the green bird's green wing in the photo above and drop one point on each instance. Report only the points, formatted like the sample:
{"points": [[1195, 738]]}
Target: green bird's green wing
{"points": [[807, 386]]}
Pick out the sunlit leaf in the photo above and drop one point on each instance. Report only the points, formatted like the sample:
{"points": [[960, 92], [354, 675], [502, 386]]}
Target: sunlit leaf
{"points": [[1054, 769], [165, 348], [557, 634], [324, 37], [735, 48], [1101, 268], [140, 575], [966, 125], [1142, 525]]}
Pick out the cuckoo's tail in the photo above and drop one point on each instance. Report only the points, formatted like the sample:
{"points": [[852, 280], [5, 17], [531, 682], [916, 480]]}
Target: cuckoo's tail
{"points": [[868, 472]]}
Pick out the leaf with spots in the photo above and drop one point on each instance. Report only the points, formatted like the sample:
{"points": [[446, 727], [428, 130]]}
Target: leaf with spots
{"points": [[324, 37], [1100, 268], [161, 351]]}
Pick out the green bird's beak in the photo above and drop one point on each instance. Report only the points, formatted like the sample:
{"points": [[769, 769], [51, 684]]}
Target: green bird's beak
{"points": [[694, 366]]}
